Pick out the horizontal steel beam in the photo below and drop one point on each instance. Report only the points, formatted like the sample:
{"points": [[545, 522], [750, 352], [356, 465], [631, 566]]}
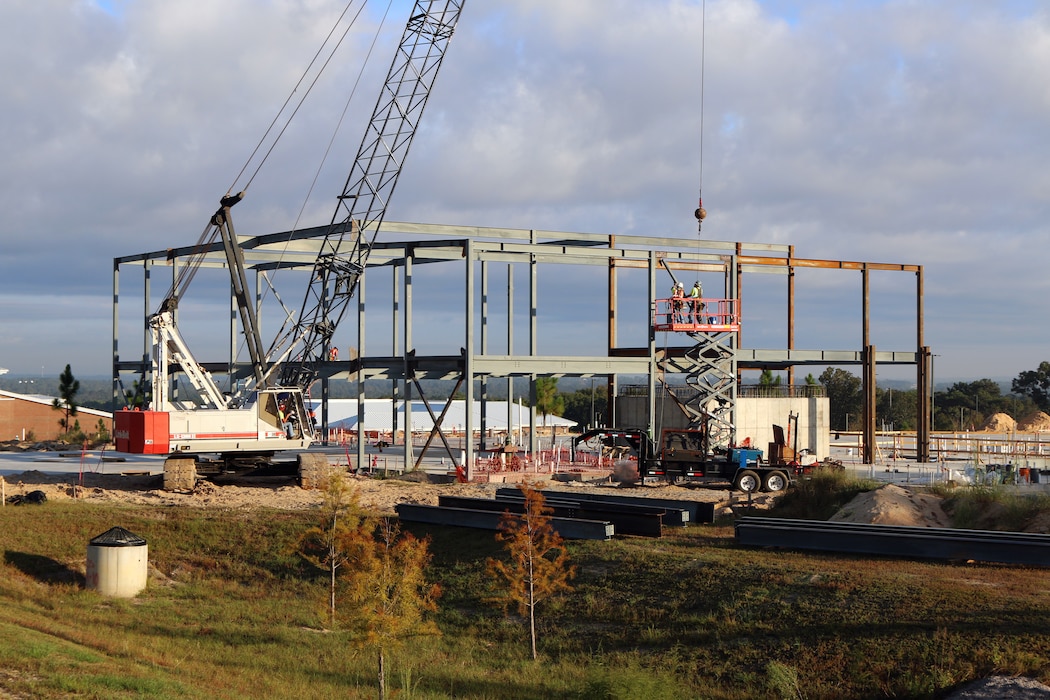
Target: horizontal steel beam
{"points": [[568, 528], [677, 513], [896, 541], [645, 523]]}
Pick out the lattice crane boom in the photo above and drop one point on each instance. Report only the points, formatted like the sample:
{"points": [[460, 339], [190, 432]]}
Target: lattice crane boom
{"points": [[369, 187]]}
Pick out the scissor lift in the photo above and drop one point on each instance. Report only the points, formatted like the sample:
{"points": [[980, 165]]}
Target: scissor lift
{"points": [[710, 364]]}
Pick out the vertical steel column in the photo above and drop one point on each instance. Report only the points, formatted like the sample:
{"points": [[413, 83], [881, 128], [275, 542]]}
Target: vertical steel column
{"points": [[734, 343], [395, 349], [510, 351], [650, 423], [410, 253], [117, 398], [869, 405], [147, 364], [610, 382], [738, 284], [924, 378], [468, 364], [925, 385], [362, 459], [257, 311], [533, 344], [174, 277], [791, 311], [868, 377], [484, 350]]}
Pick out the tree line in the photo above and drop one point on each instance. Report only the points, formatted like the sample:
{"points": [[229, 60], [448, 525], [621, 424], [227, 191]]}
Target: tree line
{"points": [[962, 406]]}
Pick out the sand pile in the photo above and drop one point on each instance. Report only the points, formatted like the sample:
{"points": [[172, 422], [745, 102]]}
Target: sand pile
{"points": [[894, 505], [1000, 423], [1036, 422]]}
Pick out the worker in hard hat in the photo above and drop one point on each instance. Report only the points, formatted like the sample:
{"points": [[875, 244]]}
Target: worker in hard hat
{"points": [[695, 305], [677, 303]]}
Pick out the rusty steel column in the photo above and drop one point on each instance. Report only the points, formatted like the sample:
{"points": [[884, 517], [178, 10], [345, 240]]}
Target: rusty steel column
{"points": [[868, 418], [924, 375], [610, 382], [791, 311]]}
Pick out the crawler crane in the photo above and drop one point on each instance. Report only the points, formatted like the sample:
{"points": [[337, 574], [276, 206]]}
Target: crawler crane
{"points": [[244, 430]]}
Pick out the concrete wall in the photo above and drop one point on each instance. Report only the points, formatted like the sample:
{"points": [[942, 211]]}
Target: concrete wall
{"points": [[755, 419]]}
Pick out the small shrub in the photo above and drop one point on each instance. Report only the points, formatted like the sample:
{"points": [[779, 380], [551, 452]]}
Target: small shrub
{"points": [[783, 680], [992, 507]]}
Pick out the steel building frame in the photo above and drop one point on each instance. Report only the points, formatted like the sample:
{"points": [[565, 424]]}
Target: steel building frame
{"points": [[405, 245]]}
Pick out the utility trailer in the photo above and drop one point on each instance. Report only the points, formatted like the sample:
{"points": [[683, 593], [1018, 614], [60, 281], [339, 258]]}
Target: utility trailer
{"points": [[681, 457]]}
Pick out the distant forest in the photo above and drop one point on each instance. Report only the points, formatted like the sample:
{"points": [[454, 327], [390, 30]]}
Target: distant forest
{"points": [[957, 406]]}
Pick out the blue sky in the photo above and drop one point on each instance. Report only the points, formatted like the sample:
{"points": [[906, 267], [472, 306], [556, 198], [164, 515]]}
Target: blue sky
{"points": [[902, 132]]}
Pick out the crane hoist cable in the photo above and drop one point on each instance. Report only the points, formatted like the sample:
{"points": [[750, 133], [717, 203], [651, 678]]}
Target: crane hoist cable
{"points": [[286, 327], [700, 212], [272, 135]]}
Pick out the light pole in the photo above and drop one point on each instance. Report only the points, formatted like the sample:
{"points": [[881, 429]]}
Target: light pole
{"points": [[847, 422]]}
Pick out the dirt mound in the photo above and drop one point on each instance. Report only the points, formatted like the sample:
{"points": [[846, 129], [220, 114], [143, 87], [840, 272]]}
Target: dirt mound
{"points": [[894, 505], [380, 495], [1034, 423], [1000, 423]]}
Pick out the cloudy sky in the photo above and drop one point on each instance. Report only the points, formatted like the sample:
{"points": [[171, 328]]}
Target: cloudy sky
{"points": [[900, 131]]}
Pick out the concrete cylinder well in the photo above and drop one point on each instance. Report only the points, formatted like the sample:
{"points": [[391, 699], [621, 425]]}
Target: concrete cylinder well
{"points": [[117, 563]]}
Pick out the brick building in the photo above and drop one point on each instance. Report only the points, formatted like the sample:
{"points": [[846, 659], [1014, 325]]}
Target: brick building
{"points": [[21, 414]]}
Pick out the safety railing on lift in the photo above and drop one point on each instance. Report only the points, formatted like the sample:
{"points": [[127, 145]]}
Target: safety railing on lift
{"points": [[702, 315]]}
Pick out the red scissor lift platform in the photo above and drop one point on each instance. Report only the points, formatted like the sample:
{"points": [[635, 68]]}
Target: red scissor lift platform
{"points": [[688, 315]]}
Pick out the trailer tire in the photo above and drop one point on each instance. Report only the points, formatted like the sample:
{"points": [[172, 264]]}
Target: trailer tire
{"points": [[180, 473], [774, 482], [314, 470], [747, 481]]}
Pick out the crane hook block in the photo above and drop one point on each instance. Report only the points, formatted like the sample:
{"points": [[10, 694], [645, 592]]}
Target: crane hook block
{"points": [[700, 214]]}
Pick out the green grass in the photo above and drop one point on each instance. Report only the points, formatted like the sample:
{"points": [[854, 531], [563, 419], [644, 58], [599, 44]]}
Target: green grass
{"points": [[820, 496], [994, 507], [691, 615]]}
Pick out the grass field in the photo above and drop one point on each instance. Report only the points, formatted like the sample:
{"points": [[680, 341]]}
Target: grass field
{"points": [[236, 614]]}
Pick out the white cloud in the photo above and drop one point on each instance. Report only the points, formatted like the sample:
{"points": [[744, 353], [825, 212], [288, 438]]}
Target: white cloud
{"points": [[888, 131]]}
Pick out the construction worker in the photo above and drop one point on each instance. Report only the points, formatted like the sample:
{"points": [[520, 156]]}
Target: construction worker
{"points": [[695, 305], [286, 420], [677, 303]]}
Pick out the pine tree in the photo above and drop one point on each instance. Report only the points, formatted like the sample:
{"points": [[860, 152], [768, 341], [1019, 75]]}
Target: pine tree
{"points": [[548, 400], [538, 565], [389, 596], [342, 535], [376, 575], [68, 386]]}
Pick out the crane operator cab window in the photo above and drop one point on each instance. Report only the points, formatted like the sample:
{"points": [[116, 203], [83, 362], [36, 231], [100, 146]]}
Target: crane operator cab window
{"points": [[287, 414]]}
